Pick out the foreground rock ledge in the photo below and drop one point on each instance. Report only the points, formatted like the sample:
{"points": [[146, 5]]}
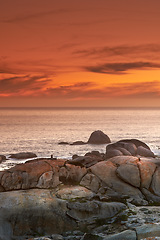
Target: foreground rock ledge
{"points": [[45, 196]]}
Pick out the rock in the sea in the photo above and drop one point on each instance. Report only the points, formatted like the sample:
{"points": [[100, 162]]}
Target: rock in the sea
{"points": [[23, 155], [128, 147], [63, 143], [78, 143], [98, 137], [135, 142], [142, 151]]}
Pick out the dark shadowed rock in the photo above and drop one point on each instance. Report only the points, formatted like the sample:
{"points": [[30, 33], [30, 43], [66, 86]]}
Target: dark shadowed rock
{"points": [[63, 143], [135, 142], [78, 143], [2, 157], [23, 155], [70, 174], [98, 137], [124, 151], [144, 152], [128, 147], [86, 161]]}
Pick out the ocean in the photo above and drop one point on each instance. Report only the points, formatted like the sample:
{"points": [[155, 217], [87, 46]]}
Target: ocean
{"points": [[40, 130]]}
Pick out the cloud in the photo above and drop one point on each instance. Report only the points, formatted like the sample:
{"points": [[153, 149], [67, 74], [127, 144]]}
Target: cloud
{"points": [[70, 91], [22, 18], [21, 85], [90, 90], [121, 68], [120, 50]]}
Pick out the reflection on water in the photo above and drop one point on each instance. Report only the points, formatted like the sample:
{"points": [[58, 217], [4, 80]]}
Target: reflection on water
{"points": [[40, 130]]}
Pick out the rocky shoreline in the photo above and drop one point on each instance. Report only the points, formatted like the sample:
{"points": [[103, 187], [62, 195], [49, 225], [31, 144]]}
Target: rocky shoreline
{"points": [[115, 195]]}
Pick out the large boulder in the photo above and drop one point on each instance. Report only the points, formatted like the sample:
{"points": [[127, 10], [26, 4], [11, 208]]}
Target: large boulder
{"points": [[23, 155], [33, 213], [33, 174], [98, 137], [128, 147], [107, 172]]}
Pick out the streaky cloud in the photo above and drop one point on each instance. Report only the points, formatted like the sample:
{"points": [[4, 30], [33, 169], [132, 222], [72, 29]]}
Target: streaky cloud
{"points": [[119, 50], [121, 68]]}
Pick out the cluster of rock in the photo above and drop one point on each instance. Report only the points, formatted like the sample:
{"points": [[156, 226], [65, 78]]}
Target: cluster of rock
{"points": [[96, 137], [54, 196], [128, 147]]}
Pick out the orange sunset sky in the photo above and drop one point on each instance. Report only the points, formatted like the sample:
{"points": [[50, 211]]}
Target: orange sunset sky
{"points": [[87, 53]]}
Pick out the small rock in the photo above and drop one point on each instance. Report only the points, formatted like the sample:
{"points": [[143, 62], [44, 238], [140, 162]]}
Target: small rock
{"points": [[23, 155], [63, 143], [78, 143]]}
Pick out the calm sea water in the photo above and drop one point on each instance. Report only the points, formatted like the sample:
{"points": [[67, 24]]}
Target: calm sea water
{"points": [[40, 130]]}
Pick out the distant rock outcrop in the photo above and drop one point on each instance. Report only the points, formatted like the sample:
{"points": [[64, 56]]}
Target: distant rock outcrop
{"points": [[98, 137], [23, 155]]}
